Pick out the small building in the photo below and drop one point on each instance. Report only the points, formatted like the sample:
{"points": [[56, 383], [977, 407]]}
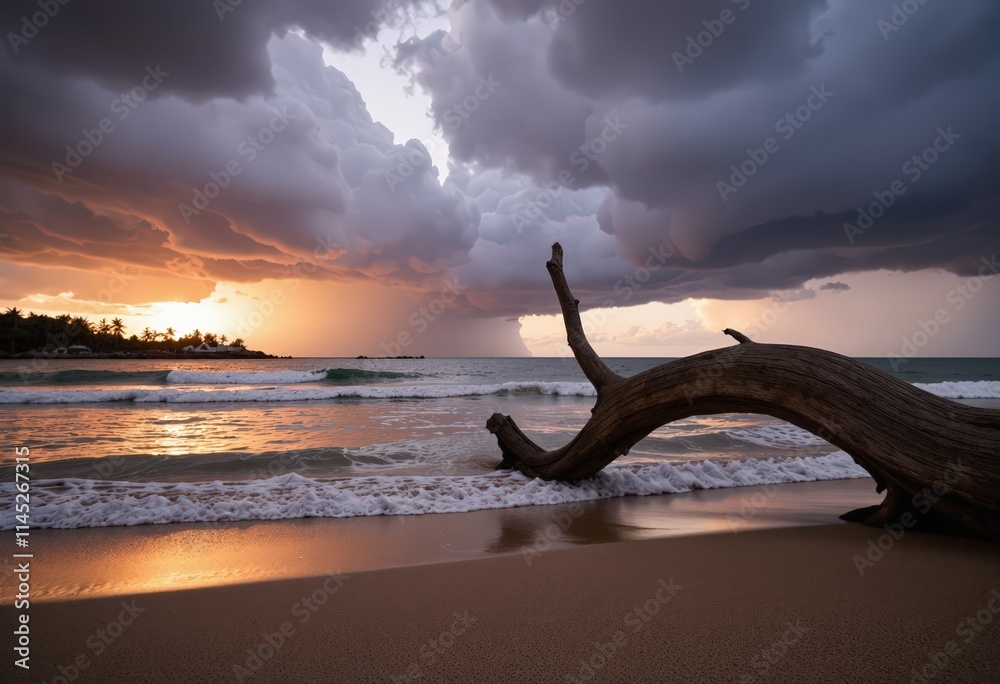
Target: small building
{"points": [[203, 348], [74, 349]]}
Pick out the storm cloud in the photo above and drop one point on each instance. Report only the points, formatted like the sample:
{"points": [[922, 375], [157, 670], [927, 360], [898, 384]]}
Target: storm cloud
{"points": [[727, 149]]}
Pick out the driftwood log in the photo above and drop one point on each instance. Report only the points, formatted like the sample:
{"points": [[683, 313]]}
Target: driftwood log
{"points": [[938, 461]]}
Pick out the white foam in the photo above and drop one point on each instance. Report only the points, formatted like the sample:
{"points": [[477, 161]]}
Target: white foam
{"points": [[182, 395], [73, 503], [985, 389], [780, 436], [965, 389], [183, 377]]}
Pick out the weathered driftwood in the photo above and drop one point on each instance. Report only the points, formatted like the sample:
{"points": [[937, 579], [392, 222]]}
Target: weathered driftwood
{"points": [[937, 460]]}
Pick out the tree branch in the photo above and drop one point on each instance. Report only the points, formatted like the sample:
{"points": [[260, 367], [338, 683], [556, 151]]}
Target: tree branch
{"points": [[590, 363], [737, 335], [937, 460]]}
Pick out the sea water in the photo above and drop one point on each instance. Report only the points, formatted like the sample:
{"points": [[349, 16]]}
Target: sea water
{"points": [[127, 442]]}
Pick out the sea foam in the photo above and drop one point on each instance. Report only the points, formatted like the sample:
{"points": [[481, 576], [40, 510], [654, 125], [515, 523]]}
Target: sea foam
{"points": [[72, 503], [965, 389], [288, 393]]}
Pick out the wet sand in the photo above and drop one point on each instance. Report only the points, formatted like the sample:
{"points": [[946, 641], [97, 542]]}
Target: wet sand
{"points": [[626, 592], [108, 561]]}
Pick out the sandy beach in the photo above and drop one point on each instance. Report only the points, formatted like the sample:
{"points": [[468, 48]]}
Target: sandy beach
{"points": [[706, 586]]}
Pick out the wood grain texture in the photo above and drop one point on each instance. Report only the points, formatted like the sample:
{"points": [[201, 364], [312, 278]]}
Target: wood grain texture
{"points": [[937, 460]]}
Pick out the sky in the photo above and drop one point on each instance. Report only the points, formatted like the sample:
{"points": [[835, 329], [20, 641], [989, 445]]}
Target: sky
{"points": [[387, 177]]}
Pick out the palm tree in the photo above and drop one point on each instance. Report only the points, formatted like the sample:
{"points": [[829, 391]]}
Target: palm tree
{"points": [[238, 342], [222, 339], [103, 331], [12, 318], [169, 335], [117, 329], [83, 329], [148, 335], [210, 339]]}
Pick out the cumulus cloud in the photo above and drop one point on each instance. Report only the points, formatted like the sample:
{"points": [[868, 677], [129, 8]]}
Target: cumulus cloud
{"points": [[298, 183], [761, 163], [212, 49], [721, 150]]}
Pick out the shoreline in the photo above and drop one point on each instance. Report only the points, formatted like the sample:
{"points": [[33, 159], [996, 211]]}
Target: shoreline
{"points": [[132, 355], [95, 562]]}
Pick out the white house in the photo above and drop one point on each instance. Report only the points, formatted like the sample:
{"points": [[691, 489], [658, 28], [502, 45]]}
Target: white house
{"points": [[203, 348], [74, 349]]}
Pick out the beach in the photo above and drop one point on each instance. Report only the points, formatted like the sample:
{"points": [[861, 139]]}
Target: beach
{"points": [[703, 586], [318, 520]]}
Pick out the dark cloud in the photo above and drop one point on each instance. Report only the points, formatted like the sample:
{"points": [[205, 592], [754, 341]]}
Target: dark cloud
{"points": [[753, 169], [301, 184], [671, 51], [211, 49], [846, 109]]}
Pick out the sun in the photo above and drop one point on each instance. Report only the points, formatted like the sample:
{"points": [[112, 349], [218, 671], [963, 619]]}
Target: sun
{"points": [[217, 314]]}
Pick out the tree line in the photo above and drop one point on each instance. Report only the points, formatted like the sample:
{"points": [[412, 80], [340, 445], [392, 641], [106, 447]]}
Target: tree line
{"points": [[20, 332]]}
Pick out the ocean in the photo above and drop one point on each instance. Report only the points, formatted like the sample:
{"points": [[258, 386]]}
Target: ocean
{"points": [[131, 442]]}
